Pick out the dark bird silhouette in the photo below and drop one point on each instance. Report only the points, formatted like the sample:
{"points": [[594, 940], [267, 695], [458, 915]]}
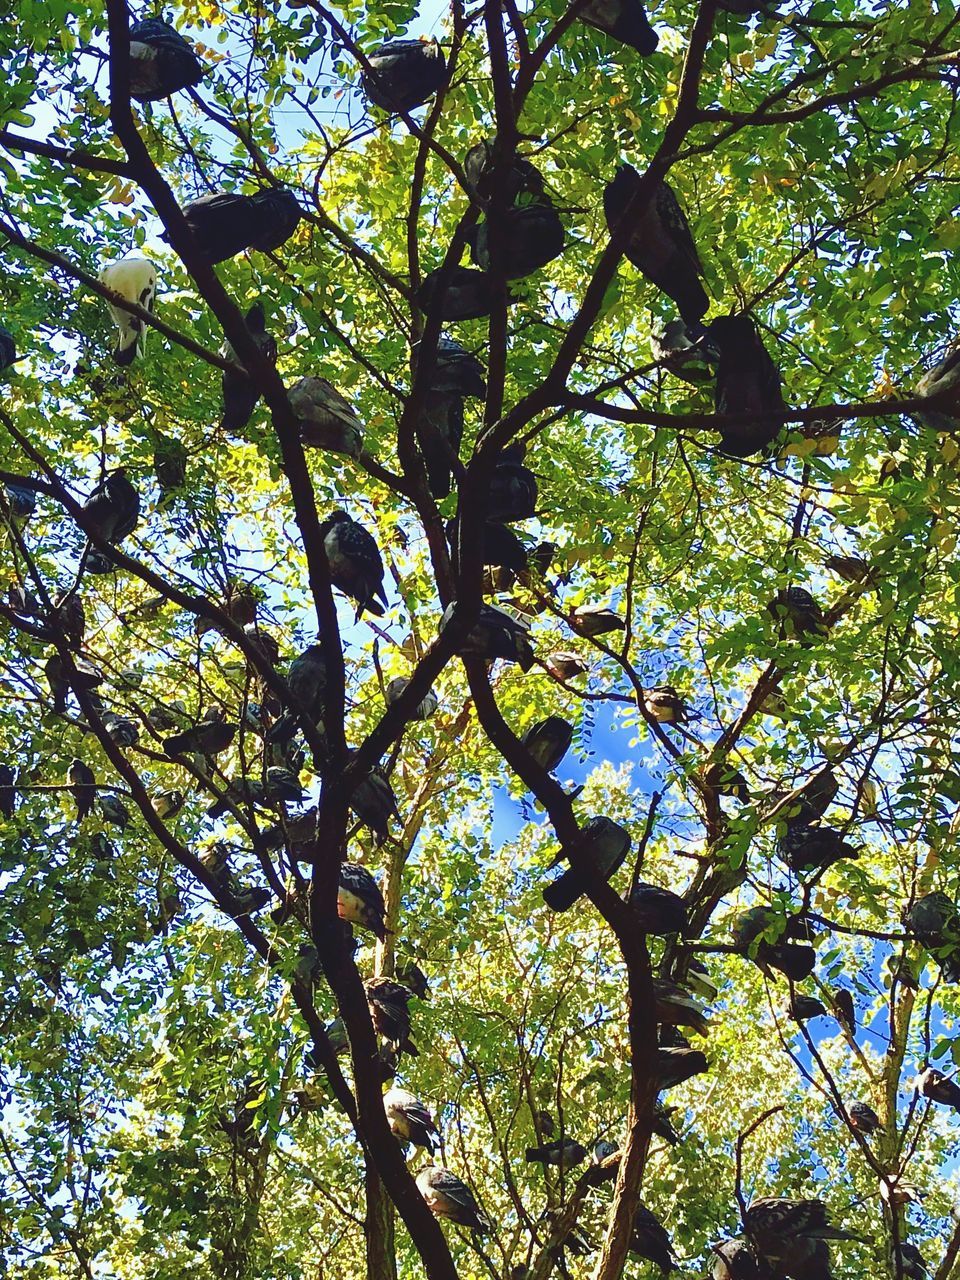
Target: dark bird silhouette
{"points": [[813, 801], [659, 912], [170, 459], [240, 605], [135, 280], [8, 349], [604, 844], [456, 371], [941, 383], [167, 804], [533, 235], [87, 679], [624, 20], [123, 730], [388, 1002], [863, 1118], [649, 1240], [846, 1010], [240, 396], [113, 508], [499, 545], [743, 8], [494, 635], [736, 1260], [699, 981], [114, 811], [727, 780], [374, 803], [661, 245], [225, 224], [675, 1007], [592, 620], [513, 489], [454, 375], [665, 705], [307, 681], [662, 1126], [933, 1084], [776, 1226], [791, 958], [513, 176], [548, 741], [852, 569], [208, 738], [748, 381], [801, 1008], [807, 848], [423, 710], [565, 666], [83, 787], [935, 922], [327, 419], [410, 1120], [19, 502], [161, 61], [8, 791], [914, 1266], [563, 1153], [690, 356], [413, 977], [356, 567], [69, 617], [359, 900], [675, 1066], [797, 614], [467, 295], [404, 74], [447, 1196]]}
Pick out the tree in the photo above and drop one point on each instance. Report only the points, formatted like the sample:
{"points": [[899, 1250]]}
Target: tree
{"points": [[177, 1098]]}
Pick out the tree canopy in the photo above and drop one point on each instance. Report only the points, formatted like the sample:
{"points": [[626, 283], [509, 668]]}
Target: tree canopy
{"points": [[643, 885]]}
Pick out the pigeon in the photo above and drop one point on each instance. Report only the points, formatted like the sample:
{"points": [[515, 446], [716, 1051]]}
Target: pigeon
{"points": [[374, 803], [467, 295], [690, 356], [456, 371], [83, 787], [665, 705], [409, 1119], [69, 618], [282, 786], [649, 1240], [852, 569], [565, 666], [563, 1153], [161, 61], [135, 280], [423, 710], [123, 730], [914, 1267], [846, 1010], [494, 635], [789, 957], [675, 1066], [698, 980], [661, 246], [404, 74], [807, 848], [327, 420], [533, 235], [677, 1008], [592, 620], [87, 678], [662, 1126], [240, 396], [242, 793], [802, 1008], [8, 792], [356, 567], [513, 490], [114, 811], [167, 804], [603, 1149], [774, 1225], [359, 900], [500, 545], [8, 349], [224, 224], [604, 844], [19, 502], [942, 382], [307, 682], [388, 1002], [933, 1084], [748, 381], [736, 1260], [208, 738], [624, 20], [813, 801], [449, 1197], [412, 976], [658, 912], [548, 741], [170, 464], [797, 613], [113, 508], [863, 1118], [726, 780], [935, 922]]}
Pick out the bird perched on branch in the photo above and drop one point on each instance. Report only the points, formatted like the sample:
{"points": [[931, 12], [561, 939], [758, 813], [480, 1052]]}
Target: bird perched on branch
{"points": [[691, 356], [513, 489], [807, 848], [135, 280], [941, 383], [935, 922], [410, 1120], [775, 1226], [592, 620], [661, 245], [494, 635], [404, 74], [447, 1196], [423, 710], [499, 545], [514, 177], [356, 567], [388, 1002], [8, 792], [454, 375], [374, 803], [466, 295], [797, 614], [863, 1118], [114, 811], [852, 569], [225, 224], [19, 501], [69, 617], [665, 705], [112, 510], [802, 1008], [170, 459], [659, 912], [533, 235], [933, 1084], [812, 801], [83, 787], [548, 741], [845, 1009], [677, 1065], [604, 844], [8, 349], [359, 900], [208, 738], [307, 682], [565, 666], [623, 20], [167, 804], [161, 61], [914, 1267], [563, 1153], [240, 395], [327, 419], [649, 1240], [789, 957], [748, 382], [87, 678], [736, 1260], [676, 1007], [123, 730]]}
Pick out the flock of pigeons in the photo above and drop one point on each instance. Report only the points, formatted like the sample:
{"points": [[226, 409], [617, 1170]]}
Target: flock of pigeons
{"points": [[783, 1239]]}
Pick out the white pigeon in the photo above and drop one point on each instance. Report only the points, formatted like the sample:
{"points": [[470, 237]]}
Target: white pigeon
{"points": [[135, 279]]}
